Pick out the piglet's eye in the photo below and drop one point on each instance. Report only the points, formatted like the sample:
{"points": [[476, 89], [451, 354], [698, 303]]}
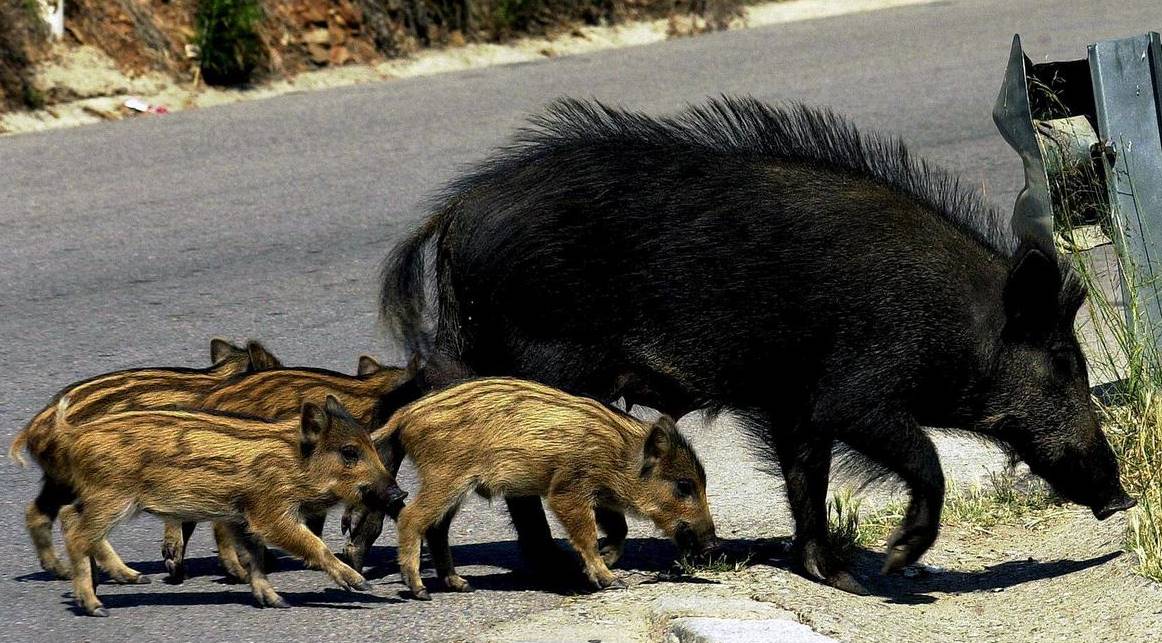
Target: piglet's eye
{"points": [[350, 454], [684, 487]]}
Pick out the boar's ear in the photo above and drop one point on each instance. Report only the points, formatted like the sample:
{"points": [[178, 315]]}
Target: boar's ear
{"points": [[315, 423], [660, 441], [260, 358], [1031, 293], [221, 350], [368, 365]]}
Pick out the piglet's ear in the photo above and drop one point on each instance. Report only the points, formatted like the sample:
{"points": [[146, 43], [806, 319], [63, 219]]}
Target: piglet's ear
{"points": [[315, 423], [1032, 293], [221, 350], [368, 365], [334, 407], [660, 440], [260, 358]]}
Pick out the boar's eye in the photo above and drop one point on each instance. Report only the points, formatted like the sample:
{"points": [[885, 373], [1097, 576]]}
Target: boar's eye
{"points": [[350, 454], [684, 488]]}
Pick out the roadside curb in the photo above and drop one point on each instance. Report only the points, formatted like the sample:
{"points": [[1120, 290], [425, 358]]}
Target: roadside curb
{"points": [[710, 620], [714, 630]]}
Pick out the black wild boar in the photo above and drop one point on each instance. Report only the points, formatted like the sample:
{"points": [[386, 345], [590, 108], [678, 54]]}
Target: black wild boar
{"points": [[500, 436], [681, 257], [255, 476], [140, 388]]}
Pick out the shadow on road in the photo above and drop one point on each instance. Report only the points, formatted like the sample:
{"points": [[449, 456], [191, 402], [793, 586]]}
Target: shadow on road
{"points": [[328, 598], [900, 589]]}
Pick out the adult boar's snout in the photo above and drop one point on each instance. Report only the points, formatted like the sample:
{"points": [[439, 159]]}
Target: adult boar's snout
{"points": [[383, 495], [1121, 502]]}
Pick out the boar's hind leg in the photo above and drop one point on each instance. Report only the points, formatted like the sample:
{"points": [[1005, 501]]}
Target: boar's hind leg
{"points": [[281, 530], [804, 454], [39, 518], [433, 503], [84, 532], [903, 448], [234, 559], [533, 535], [437, 537], [173, 548], [260, 586], [612, 522], [108, 560]]}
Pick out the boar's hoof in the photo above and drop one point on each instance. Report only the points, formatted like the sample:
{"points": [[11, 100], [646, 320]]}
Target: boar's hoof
{"points": [[421, 595], [98, 611], [364, 586], [177, 572], [906, 546], [844, 581], [58, 569], [896, 559], [457, 583], [610, 553], [140, 579]]}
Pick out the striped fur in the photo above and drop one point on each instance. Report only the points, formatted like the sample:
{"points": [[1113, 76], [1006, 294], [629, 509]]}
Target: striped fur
{"points": [[116, 392], [277, 394], [188, 465], [503, 436]]}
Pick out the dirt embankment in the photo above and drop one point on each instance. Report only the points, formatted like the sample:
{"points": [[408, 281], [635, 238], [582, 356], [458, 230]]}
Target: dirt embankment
{"points": [[114, 47]]}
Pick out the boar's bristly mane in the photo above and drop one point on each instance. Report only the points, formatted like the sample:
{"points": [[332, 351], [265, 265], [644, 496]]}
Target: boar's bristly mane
{"points": [[741, 127]]}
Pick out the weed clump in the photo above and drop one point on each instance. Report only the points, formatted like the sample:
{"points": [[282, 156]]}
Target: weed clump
{"points": [[226, 34]]}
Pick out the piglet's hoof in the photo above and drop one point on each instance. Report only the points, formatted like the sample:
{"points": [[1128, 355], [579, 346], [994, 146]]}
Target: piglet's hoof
{"points": [[614, 583], [275, 601]]}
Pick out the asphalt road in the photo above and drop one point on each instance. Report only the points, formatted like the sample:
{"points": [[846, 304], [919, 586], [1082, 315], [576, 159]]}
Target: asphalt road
{"points": [[132, 243]]}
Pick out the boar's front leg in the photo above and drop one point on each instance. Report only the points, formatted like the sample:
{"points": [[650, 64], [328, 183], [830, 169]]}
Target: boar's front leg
{"points": [[804, 453], [898, 444], [281, 530], [575, 511]]}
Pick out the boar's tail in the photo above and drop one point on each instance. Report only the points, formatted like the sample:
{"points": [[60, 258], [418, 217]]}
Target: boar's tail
{"points": [[15, 452], [402, 300], [34, 431]]}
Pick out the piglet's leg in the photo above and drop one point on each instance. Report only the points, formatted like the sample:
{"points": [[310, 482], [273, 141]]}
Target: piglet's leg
{"points": [[108, 560], [282, 531], [228, 553], [260, 586], [437, 537], [173, 548], [576, 514], [84, 531], [612, 522]]}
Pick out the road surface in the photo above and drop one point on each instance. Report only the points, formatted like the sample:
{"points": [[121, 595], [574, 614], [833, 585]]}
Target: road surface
{"points": [[132, 243]]}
